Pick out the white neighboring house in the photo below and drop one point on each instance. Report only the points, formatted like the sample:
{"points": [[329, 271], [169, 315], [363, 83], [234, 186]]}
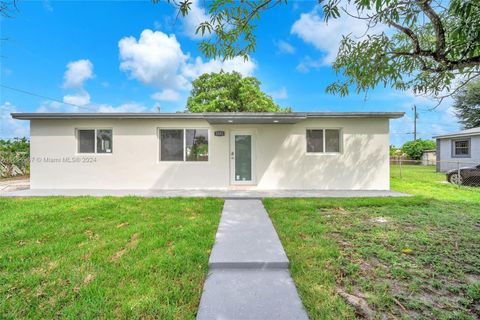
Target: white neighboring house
{"points": [[269, 151], [429, 157], [459, 149]]}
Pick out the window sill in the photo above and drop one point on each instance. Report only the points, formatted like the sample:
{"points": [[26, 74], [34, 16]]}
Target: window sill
{"points": [[181, 162], [93, 154], [324, 153]]}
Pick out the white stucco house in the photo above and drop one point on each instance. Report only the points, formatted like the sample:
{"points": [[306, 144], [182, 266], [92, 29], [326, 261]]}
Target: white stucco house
{"points": [[260, 151], [458, 149]]}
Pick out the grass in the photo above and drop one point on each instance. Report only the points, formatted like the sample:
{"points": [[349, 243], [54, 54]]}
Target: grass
{"points": [[107, 258], [424, 181], [416, 257]]}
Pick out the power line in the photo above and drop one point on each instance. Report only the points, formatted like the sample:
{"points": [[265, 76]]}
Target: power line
{"points": [[43, 97]]}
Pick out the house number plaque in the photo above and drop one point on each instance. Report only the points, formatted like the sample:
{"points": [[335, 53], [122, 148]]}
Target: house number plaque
{"points": [[219, 133]]}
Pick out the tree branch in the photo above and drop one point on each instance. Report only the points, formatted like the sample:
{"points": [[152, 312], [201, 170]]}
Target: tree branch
{"points": [[409, 33], [437, 26]]}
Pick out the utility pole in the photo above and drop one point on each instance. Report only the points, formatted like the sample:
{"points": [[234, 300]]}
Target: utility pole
{"points": [[415, 116]]}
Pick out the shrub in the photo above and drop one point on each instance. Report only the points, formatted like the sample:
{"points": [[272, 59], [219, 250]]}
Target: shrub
{"points": [[414, 149]]}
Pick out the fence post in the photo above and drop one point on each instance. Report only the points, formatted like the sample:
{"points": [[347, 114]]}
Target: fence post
{"points": [[458, 172], [401, 175]]}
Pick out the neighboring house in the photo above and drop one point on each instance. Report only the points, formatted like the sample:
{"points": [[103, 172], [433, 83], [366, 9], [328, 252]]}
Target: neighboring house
{"points": [[324, 150], [460, 149], [429, 157]]}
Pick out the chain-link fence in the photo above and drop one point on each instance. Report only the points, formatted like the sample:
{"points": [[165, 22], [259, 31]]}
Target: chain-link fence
{"points": [[461, 173], [14, 164]]}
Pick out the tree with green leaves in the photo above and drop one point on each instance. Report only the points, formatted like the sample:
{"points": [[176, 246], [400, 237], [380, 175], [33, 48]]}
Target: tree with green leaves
{"points": [[414, 149], [229, 92], [467, 105], [428, 47]]}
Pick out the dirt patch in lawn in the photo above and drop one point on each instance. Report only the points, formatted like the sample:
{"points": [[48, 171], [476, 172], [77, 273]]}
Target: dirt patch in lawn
{"points": [[132, 243], [393, 267]]}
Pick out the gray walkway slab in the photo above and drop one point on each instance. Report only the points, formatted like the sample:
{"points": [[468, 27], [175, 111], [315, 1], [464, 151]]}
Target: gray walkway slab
{"points": [[201, 193], [246, 238], [248, 276], [250, 294]]}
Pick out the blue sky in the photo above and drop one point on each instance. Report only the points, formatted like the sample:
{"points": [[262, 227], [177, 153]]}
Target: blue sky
{"points": [[135, 56]]}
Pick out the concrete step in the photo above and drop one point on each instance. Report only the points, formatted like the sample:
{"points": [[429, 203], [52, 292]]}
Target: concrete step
{"points": [[246, 238], [250, 294]]}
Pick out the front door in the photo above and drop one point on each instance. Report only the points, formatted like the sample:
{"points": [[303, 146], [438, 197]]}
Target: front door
{"points": [[242, 164]]}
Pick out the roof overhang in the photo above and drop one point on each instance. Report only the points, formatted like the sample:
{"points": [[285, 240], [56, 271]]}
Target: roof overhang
{"points": [[457, 135], [254, 118], [214, 118]]}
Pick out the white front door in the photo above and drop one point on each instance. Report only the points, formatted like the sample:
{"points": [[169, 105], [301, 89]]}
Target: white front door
{"points": [[242, 157]]}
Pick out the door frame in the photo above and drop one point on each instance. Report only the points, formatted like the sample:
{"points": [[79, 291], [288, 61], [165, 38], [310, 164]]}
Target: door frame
{"points": [[231, 155]]}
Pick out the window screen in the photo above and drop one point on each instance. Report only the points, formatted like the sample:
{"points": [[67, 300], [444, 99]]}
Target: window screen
{"points": [[315, 140], [332, 140], [86, 141], [462, 147], [171, 145], [196, 144], [104, 141]]}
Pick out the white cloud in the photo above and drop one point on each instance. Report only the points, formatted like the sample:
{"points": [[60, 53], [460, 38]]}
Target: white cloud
{"points": [[280, 94], [81, 98], [285, 47], [194, 70], [9, 127], [157, 59], [74, 78], [308, 63], [77, 72], [48, 106], [166, 95], [326, 37]]}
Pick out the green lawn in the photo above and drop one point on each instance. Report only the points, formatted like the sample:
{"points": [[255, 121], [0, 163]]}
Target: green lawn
{"points": [[416, 257], [424, 181], [88, 257]]}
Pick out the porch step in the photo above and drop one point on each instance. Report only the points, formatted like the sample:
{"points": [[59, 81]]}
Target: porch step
{"points": [[247, 239]]}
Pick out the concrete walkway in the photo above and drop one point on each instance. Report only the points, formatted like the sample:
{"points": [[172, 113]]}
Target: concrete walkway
{"points": [[200, 193], [248, 276]]}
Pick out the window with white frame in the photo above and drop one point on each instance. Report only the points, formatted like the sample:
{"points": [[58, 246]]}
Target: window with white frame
{"points": [[183, 144], [94, 141], [461, 148], [323, 140]]}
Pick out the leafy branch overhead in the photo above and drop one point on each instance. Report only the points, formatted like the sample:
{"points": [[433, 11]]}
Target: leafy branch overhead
{"points": [[430, 47]]}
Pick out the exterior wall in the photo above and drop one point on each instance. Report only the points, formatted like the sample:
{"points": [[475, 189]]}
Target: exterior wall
{"points": [[447, 162], [281, 159]]}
